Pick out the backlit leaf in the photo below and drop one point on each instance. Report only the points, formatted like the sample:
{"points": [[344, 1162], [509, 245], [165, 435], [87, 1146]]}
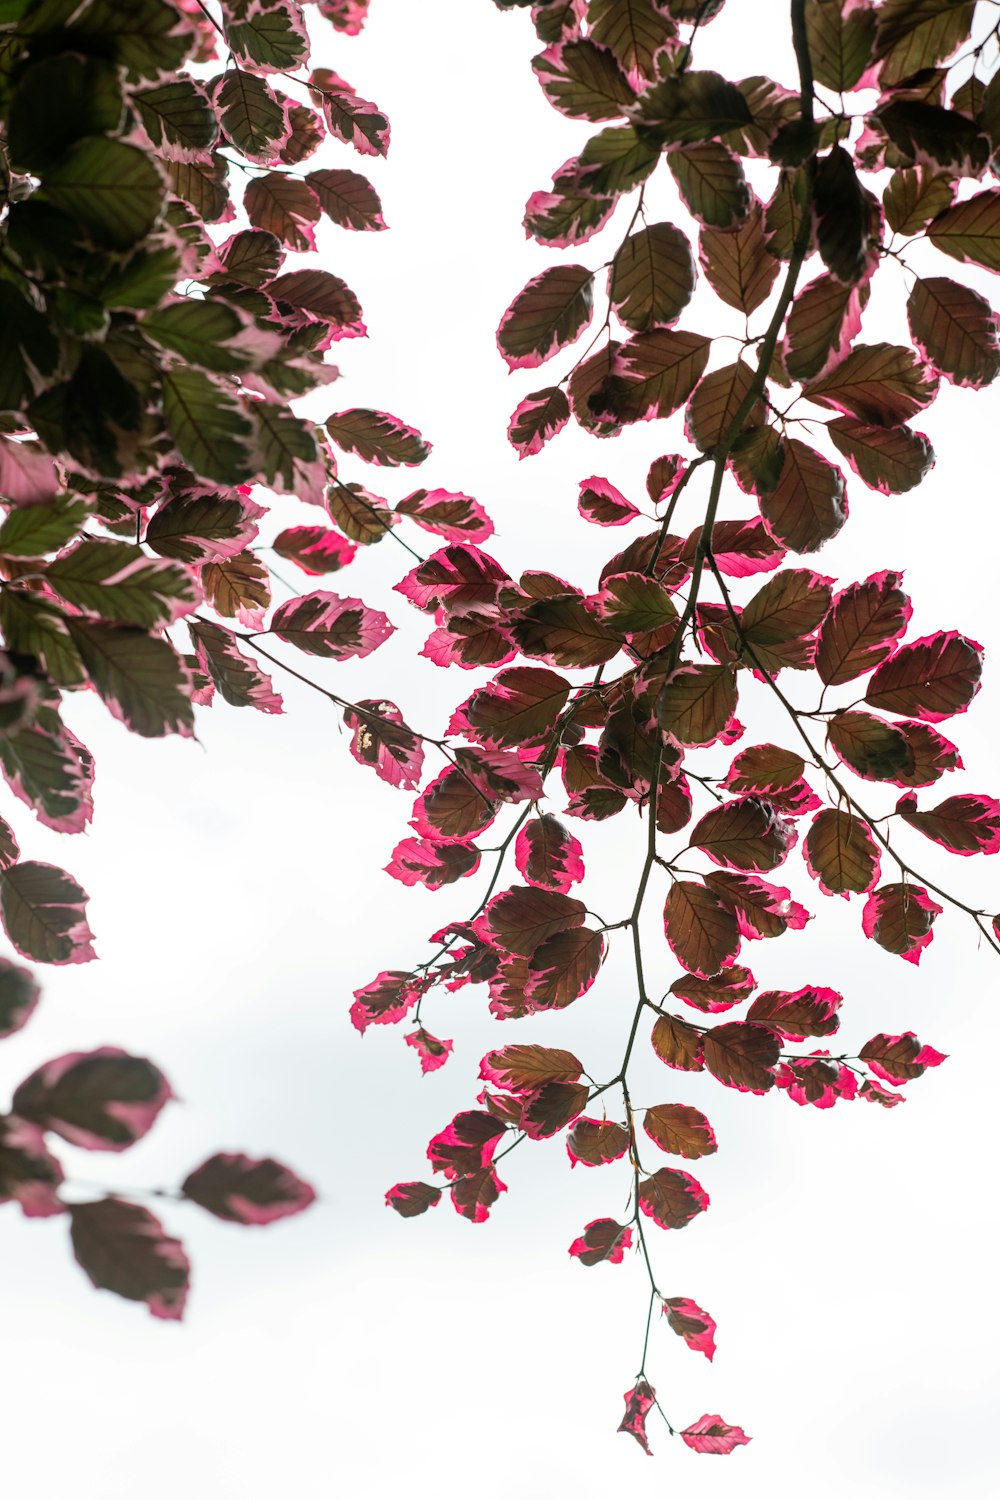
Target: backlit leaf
{"points": [[737, 264], [955, 329], [930, 679], [841, 854], [742, 1055], [652, 277], [672, 1198], [700, 929], [681, 1130]]}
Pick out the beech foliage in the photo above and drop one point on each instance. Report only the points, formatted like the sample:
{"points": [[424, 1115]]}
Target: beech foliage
{"points": [[163, 312]]}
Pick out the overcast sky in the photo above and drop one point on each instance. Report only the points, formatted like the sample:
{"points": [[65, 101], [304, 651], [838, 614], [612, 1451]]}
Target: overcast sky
{"points": [[238, 899]]}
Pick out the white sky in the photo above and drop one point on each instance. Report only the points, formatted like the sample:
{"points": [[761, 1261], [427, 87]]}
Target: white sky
{"points": [[238, 899]]}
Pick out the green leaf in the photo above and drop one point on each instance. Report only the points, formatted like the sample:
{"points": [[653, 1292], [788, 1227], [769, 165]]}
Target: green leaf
{"points": [[840, 40], [238, 586], [203, 525], [58, 100], [656, 372], [363, 517], [924, 131], [140, 678], [273, 39], [970, 230], [696, 704], [694, 106], [117, 581], [914, 196], [584, 81], [202, 184], [784, 211], [251, 257], [210, 334], [44, 914], [377, 437], [145, 280], [51, 772], [614, 161], [33, 628], [652, 277], [636, 31], [146, 37], [212, 432], [288, 444], [886, 384], [33, 530], [711, 182], [177, 116], [955, 329], [546, 315], [918, 34], [347, 198], [238, 679], [96, 416], [569, 216], [321, 295], [807, 506], [114, 190], [249, 114]]}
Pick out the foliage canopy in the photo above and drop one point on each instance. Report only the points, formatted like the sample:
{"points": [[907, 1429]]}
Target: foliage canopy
{"points": [[164, 310]]}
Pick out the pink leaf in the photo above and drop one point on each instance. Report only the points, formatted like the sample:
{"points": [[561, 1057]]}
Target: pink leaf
{"points": [[412, 1198], [433, 1052], [417, 861], [602, 504], [548, 855], [900, 918], [27, 474], [710, 1434], [536, 419], [326, 625], [381, 740], [455, 516], [29, 1173], [385, 1000], [602, 1239], [692, 1323], [638, 1404]]}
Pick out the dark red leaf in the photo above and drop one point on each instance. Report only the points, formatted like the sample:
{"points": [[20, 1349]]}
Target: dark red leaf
{"points": [[701, 929], [899, 918], [681, 1130], [247, 1191], [743, 1055], [678, 1045], [412, 1198], [672, 1198], [125, 1250], [602, 1239], [841, 854], [595, 1142]]}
